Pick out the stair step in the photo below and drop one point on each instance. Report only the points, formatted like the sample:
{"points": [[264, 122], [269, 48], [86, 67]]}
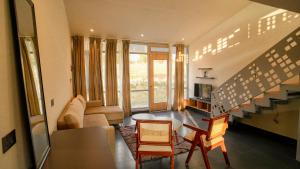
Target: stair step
{"points": [[278, 101], [262, 102], [250, 107], [237, 112], [290, 87], [280, 95]]}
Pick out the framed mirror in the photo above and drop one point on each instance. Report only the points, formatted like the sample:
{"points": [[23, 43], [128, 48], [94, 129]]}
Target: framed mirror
{"points": [[27, 53]]}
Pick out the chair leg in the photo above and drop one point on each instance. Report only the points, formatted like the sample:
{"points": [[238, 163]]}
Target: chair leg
{"points": [[140, 160], [205, 157], [176, 136], [137, 160], [172, 161], [223, 148], [190, 153]]}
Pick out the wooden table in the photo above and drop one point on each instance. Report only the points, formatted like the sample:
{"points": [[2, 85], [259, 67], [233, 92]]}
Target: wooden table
{"points": [[143, 116], [84, 148]]}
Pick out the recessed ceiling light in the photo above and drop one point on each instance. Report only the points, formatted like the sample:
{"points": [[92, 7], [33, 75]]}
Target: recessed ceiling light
{"points": [[142, 35], [182, 39], [92, 30]]}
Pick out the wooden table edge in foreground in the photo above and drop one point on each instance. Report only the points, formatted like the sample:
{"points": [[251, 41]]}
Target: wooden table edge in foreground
{"points": [[79, 148]]}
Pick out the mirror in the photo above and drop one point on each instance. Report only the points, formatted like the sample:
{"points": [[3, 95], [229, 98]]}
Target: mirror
{"points": [[26, 36]]}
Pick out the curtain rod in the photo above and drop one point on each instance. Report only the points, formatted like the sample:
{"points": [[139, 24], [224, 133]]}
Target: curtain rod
{"points": [[133, 41]]}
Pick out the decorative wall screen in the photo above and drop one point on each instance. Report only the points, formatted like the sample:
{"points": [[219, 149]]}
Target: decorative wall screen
{"points": [[276, 65]]}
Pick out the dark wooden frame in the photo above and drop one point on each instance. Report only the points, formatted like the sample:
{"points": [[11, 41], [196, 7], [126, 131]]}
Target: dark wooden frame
{"points": [[139, 154], [22, 88], [198, 141]]}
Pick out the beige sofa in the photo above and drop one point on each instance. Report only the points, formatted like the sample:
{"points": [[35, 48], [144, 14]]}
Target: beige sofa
{"points": [[113, 114], [74, 116]]}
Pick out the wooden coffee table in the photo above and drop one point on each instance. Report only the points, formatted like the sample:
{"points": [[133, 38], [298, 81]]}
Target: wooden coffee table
{"points": [[143, 116]]}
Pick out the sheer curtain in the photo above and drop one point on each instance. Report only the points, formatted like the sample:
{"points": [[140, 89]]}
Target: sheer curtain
{"points": [[178, 103], [111, 73], [78, 66], [95, 72], [126, 79]]}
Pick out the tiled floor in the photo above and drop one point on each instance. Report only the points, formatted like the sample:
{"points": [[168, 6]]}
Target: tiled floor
{"points": [[246, 150]]}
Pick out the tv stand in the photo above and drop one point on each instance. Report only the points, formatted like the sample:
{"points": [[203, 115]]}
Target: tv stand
{"points": [[204, 105]]}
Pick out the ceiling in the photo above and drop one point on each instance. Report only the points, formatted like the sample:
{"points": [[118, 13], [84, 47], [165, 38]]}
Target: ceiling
{"points": [[164, 21]]}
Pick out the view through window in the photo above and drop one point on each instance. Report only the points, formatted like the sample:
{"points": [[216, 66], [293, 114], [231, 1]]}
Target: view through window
{"points": [[138, 57]]}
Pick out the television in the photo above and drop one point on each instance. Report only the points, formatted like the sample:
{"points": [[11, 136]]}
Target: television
{"points": [[202, 91]]}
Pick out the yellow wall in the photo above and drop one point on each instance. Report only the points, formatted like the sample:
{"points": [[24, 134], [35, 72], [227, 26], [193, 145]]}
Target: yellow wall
{"points": [[10, 112], [287, 120], [55, 53]]}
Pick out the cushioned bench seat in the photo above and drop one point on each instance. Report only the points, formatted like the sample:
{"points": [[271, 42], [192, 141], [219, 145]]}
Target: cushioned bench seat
{"points": [[114, 114], [95, 120]]}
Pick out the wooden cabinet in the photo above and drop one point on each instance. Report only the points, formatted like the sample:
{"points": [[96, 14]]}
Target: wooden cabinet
{"points": [[203, 105]]}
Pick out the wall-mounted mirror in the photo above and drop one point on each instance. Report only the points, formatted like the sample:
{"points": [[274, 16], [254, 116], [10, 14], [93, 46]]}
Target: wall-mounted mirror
{"points": [[28, 55]]}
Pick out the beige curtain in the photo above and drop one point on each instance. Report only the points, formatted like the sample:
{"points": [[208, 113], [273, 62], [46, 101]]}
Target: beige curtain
{"points": [[95, 74], [111, 73], [126, 79], [31, 90], [78, 66], [179, 78]]}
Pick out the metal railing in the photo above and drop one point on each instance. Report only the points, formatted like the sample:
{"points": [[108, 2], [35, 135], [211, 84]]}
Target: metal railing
{"points": [[278, 64]]}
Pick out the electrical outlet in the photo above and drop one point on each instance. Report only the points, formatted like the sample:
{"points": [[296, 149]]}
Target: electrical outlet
{"points": [[52, 102], [8, 141]]}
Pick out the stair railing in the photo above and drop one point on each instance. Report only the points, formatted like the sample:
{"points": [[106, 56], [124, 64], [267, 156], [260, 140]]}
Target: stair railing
{"points": [[278, 64]]}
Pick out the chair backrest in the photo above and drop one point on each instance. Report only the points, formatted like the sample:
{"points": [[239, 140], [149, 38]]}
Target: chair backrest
{"points": [[156, 132], [217, 126]]}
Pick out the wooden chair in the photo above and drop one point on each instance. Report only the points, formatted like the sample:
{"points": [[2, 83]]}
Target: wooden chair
{"points": [[154, 137], [210, 139]]}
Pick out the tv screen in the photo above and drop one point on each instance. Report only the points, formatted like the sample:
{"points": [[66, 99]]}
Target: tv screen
{"points": [[202, 90], [196, 90]]}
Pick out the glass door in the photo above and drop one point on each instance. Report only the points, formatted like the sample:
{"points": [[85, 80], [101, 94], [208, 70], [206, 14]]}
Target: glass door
{"points": [[158, 80]]}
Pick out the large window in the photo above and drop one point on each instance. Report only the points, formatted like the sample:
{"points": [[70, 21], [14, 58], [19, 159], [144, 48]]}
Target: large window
{"points": [[103, 67], [138, 59]]}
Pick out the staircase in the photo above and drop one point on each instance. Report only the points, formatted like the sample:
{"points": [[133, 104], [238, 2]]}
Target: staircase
{"points": [[278, 95], [272, 78]]}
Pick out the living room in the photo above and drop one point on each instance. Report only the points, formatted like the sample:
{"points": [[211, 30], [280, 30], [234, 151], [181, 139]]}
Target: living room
{"points": [[150, 84]]}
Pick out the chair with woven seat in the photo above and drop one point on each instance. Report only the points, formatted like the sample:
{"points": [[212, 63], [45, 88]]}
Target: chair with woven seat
{"points": [[154, 137], [210, 139]]}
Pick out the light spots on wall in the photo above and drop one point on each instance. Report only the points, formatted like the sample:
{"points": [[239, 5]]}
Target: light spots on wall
{"points": [[218, 46], [252, 29]]}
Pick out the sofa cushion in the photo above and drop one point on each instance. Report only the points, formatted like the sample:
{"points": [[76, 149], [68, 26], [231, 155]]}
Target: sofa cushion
{"points": [[82, 100], [71, 121], [76, 110], [111, 112], [61, 121], [95, 120]]}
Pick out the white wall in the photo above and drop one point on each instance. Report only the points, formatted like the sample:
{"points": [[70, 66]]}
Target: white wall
{"points": [[228, 62], [249, 45], [55, 54], [10, 112]]}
